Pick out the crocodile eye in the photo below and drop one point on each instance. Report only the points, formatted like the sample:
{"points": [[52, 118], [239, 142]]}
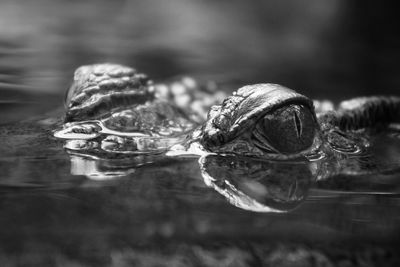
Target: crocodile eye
{"points": [[289, 129]]}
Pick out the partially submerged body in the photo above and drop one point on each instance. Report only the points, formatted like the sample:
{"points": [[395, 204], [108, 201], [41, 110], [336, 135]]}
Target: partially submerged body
{"points": [[124, 115], [117, 109], [113, 102]]}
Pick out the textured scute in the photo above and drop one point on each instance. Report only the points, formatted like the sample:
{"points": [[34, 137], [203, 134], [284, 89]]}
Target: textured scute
{"points": [[97, 89], [156, 118], [363, 112], [239, 112]]}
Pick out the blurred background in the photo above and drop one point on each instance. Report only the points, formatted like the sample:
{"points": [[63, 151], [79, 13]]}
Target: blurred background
{"points": [[325, 49], [329, 49]]}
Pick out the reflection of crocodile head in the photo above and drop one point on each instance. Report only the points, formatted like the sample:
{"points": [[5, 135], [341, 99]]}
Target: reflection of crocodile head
{"points": [[257, 185], [91, 161]]}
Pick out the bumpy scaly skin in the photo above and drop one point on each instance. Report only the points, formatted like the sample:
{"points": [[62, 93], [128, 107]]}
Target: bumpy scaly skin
{"points": [[189, 95], [121, 111], [362, 112], [97, 89], [127, 101], [229, 125], [124, 100], [156, 118]]}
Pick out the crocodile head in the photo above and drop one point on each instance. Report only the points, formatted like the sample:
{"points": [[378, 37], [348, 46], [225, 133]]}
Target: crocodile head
{"points": [[113, 108], [261, 120]]}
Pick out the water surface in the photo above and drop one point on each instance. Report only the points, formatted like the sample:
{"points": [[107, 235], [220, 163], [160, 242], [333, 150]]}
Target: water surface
{"points": [[59, 207]]}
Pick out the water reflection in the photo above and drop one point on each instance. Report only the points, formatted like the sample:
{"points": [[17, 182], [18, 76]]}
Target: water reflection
{"points": [[258, 185], [162, 208], [252, 184], [98, 169], [99, 164]]}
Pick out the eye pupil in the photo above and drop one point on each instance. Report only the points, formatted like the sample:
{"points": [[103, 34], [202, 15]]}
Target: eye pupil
{"points": [[290, 129], [297, 122]]}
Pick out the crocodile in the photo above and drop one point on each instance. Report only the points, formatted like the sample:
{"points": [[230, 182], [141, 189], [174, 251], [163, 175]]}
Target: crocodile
{"points": [[114, 112], [116, 109], [270, 120]]}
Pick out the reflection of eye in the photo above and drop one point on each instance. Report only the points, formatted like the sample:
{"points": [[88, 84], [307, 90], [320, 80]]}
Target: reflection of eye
{"points": [[290, 129]]}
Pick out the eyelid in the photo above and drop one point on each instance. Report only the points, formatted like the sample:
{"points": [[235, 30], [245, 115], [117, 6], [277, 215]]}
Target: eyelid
{"points": [[262, 141]]}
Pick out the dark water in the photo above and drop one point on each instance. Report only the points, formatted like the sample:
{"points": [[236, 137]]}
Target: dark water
{"points": [[61, 209], [69, 209]]}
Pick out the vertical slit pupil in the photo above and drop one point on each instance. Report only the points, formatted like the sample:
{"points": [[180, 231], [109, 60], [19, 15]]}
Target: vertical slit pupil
{"points": [[297, 122]]}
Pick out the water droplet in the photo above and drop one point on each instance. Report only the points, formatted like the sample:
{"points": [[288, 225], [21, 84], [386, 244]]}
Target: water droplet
{"points": [[79, 130], [80, 145], [315, 155]]}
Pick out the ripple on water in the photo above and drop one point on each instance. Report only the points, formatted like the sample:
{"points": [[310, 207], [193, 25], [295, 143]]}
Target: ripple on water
{"points": [[347, 143], [88, 135]]}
